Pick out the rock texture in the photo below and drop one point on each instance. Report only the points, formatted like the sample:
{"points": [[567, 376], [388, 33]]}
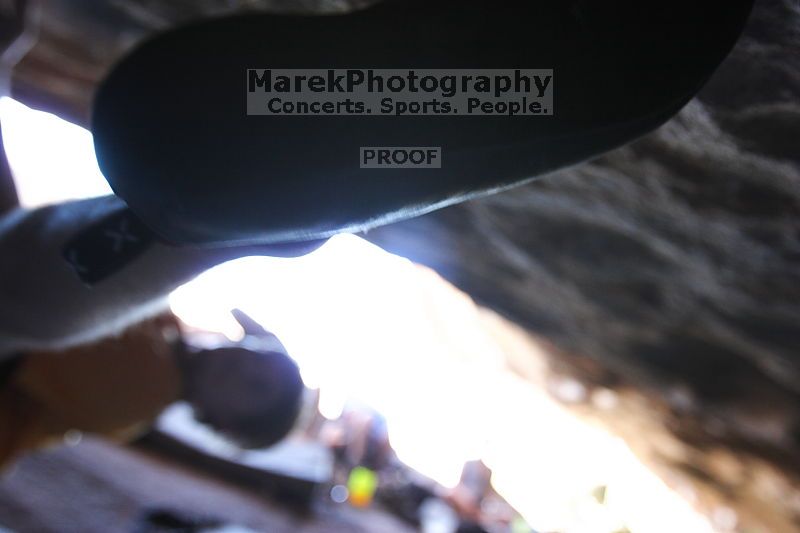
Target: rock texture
{"points": [[674, 260], [670, 267]]}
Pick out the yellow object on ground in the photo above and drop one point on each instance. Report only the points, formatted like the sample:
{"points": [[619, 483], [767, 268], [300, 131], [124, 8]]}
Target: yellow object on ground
{"points": [[362, 485]]}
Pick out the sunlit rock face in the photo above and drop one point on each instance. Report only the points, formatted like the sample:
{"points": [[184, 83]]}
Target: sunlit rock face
{"points": [[668, 270]]}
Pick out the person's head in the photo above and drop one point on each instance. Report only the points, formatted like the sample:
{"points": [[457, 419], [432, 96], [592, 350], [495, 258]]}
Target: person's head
{"points": [[253, 397]]}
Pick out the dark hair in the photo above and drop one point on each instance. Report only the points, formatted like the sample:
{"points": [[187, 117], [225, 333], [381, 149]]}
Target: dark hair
{"points": [[253, 397], [276, 420]]}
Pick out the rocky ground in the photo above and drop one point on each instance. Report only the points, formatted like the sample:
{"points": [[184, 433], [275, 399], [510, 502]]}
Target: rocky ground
{"points": [[100, 487]]}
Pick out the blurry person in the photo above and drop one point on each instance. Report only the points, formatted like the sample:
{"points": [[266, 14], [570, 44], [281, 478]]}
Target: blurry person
{"points": [[90, 356], [251, 393], [369, 440], [118, 386], [359, 437]]}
